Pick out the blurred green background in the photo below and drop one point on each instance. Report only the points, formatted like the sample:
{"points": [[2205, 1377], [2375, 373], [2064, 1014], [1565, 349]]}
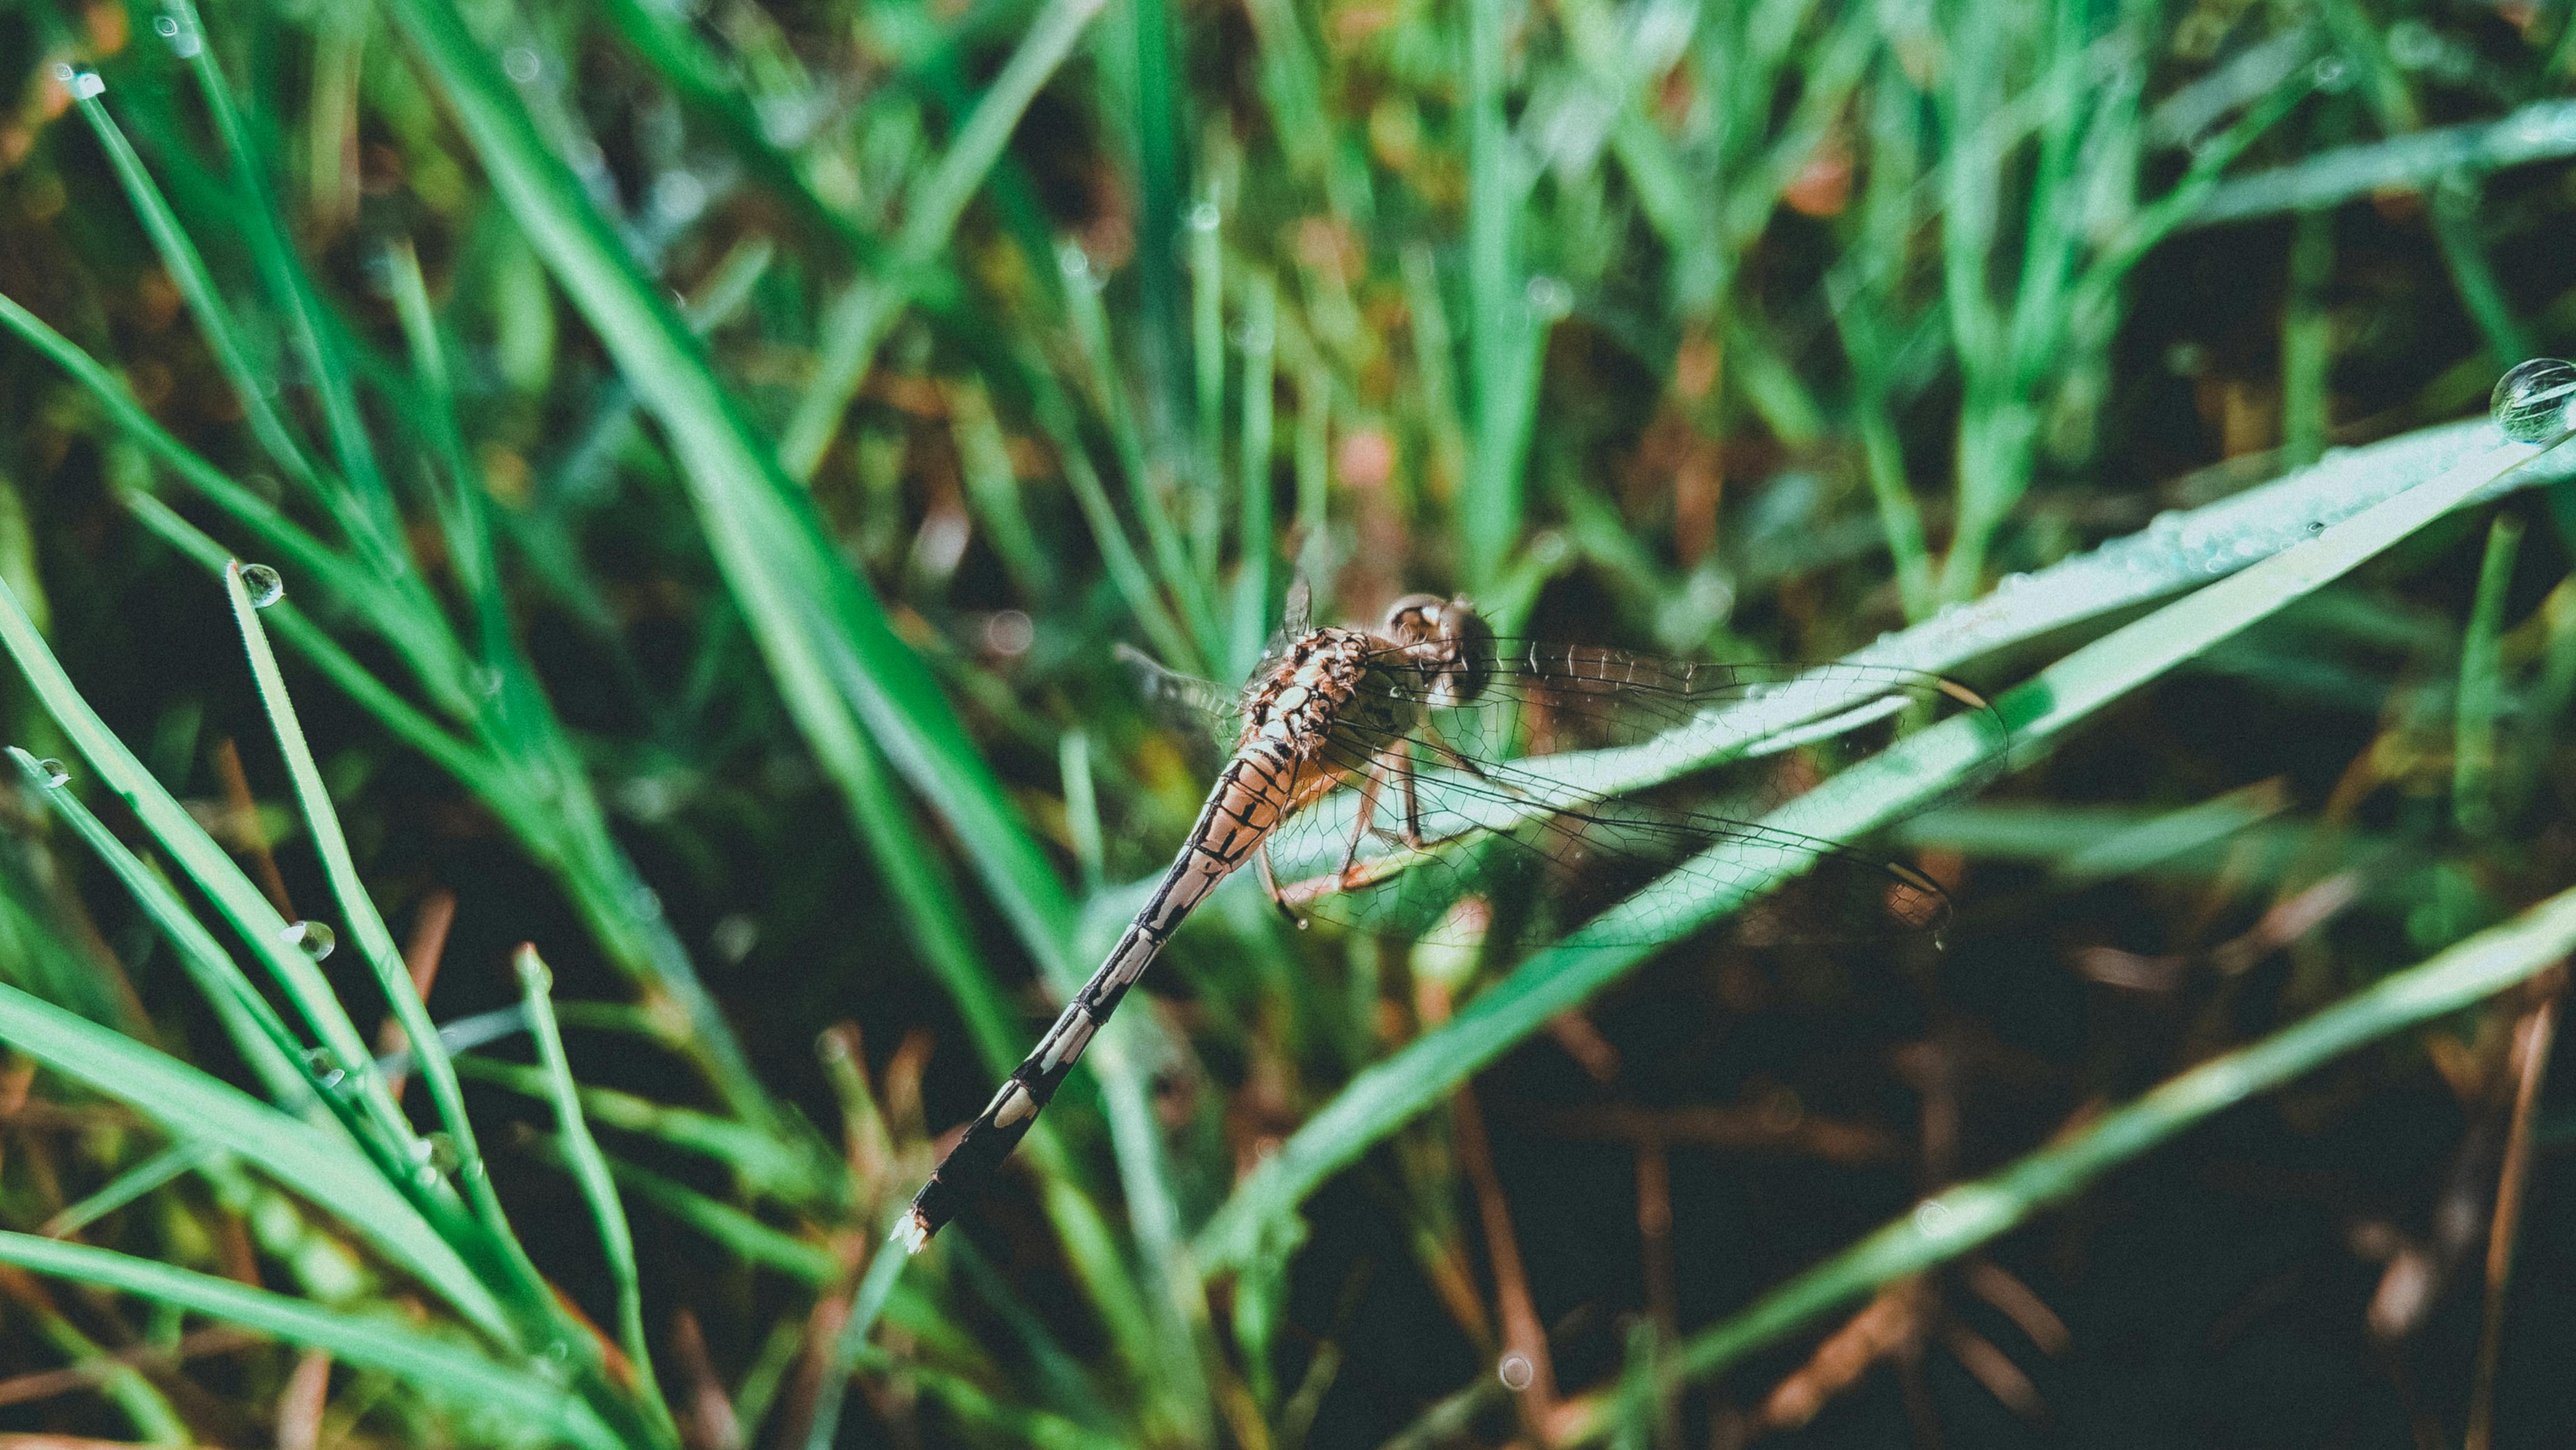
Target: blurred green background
{"points": [[712, 451]]}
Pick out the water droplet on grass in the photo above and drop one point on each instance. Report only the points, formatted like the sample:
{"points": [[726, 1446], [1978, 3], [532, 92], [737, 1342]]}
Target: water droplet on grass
{"points": [[55, 773], [262, 584], [310, 937], [2530, 402], [1516, 1372], [433, 1156]]}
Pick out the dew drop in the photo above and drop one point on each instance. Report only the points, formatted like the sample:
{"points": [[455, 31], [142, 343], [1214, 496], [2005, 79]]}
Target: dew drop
{"points": [[435, 1154], [1931, 1218], [2530, 402], [521, 63], [1549, 297], [87, 86], [167, 25], [325, 1066], [262, 584], [1204, 217], [55, 773], [1516, 1372], [313, 938]]}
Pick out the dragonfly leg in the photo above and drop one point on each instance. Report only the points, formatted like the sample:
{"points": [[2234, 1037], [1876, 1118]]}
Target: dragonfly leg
{"points": [[1412, 801], [1270, 883], [1370, 788]]}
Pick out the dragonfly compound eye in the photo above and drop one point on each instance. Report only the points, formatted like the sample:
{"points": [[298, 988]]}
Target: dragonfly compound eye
{"points": [[1449, 641]]}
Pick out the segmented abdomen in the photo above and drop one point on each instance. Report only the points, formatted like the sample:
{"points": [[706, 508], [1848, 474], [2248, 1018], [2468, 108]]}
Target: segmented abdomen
{"points": [[1261, 786]]}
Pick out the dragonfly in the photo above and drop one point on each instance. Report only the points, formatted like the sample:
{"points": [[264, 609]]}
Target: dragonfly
{"points": [[1428, 780]]}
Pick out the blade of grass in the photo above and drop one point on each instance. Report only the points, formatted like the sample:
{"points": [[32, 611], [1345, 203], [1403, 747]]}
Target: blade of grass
{"points": [[1251, 613], [856, 320], [374, 941], [762, 1166], [2544, 131], [437, 1368], [1502, 351], [867, 1300], [206, 862], [1919, 769], [257, 1033], [314, 1162], [591, 1172], [182, 1157], [2481, 693]]}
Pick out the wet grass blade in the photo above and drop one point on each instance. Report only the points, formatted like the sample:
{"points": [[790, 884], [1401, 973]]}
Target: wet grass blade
{"points": [[435, 1367], [257, 1033], [2482, 686], [317, 1163], [240, 901], [373, 941], [591, 1172]]}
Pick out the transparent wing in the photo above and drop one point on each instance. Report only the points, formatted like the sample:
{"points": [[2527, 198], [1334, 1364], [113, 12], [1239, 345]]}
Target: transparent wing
{"points": [[1581, 777], [1204, 714]]}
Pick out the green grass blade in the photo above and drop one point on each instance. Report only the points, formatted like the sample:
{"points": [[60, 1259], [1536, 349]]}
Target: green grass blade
{"points": [[2481, 694], [215, 320], [257, 1032], [591, 1172], [317, 1163], [867, 1301], [1501, 351], [1251, 614], [179, 1158], [763, 1165], [2545, 131], [372, 939], [206, 862], [285, 541], [856, 320], [437, 1368]]}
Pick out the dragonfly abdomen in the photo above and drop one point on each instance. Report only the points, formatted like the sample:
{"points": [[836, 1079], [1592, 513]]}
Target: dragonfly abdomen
{"points": [[1252, 795]]}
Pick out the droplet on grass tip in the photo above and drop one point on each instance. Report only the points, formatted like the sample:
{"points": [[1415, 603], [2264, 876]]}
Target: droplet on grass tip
{"points": [[434, 1155], [311, 937], [55, 773], [1516, 1372], [262, 584], [2531, 401]]}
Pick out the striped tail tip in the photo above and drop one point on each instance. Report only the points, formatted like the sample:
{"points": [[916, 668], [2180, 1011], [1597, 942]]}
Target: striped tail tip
{"points": [[914, 1232]]}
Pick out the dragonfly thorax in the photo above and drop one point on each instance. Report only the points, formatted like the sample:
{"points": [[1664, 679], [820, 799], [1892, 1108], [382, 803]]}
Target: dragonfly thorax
{"points": [[1297, 701]]}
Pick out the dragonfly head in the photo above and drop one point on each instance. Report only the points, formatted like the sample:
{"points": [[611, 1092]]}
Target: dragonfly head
{"points": [[1448, 640]]}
